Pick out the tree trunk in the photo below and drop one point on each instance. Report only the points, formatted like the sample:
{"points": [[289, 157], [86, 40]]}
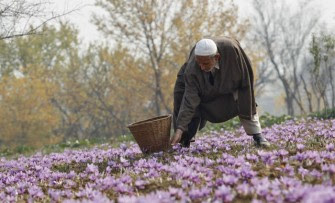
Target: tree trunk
{"points": [[309, 95], [325, 100], [330, 68], [290, 107], [289, 97]]}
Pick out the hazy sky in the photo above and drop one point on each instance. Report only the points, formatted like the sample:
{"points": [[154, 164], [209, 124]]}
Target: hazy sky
{"points": [[88, 32], [81, 17]]}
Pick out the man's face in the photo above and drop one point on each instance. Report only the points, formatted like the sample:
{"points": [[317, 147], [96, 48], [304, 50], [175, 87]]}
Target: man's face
{"points": [[206, 63]]}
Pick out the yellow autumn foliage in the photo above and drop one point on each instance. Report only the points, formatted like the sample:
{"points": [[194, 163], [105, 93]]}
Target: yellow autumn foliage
{"points": [[26, 115]]}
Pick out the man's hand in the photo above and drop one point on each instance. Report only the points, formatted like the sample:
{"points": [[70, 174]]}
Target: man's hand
{"points": [[176, 137]]}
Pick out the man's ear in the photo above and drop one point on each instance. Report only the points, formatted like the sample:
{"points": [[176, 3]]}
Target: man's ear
{"points": [[217, 56]]}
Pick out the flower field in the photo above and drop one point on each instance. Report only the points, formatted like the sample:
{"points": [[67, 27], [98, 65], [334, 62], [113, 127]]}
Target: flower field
{"points": [[219, 167]]}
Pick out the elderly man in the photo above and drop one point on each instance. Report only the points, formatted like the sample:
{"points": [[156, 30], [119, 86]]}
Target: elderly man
{"points": [[215, 84]]}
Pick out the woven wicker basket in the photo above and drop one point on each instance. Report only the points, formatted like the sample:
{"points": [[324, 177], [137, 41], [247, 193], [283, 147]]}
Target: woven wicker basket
{"points": [[152, 135]]}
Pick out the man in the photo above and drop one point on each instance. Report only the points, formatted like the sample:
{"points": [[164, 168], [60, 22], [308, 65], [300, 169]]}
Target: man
{"points": [[215, 84]]}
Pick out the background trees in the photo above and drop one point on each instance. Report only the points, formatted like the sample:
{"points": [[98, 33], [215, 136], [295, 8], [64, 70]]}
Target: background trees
{"points": [[25, 17], [97, 92], [283, 34], [52, 89], [32, 79], [320, 69], [26, 115]]}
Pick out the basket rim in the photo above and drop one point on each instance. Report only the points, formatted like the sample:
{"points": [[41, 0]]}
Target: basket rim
{"points": [[150, 120]]}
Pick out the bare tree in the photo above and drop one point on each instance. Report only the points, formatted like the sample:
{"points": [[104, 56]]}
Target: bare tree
{"points": [[17, 17], [321, 69], [263, 74], [283, 34], [306, 79]]}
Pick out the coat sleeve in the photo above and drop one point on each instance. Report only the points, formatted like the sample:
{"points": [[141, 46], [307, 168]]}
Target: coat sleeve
{"points": [[178, 93], [246, 98], [190, 101]]}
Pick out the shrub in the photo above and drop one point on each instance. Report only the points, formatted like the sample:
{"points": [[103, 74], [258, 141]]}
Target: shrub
{"points": [[268, 120], [228, 125], [324, 114]]}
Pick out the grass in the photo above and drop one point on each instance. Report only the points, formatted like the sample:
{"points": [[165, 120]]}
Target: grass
{"points": [[22, 150]]}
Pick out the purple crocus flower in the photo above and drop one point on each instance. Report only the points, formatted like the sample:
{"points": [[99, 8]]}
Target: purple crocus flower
{"points": [[289, 170], [244, 189], [282, 153], [177, 192], [224, 194], [21, 187], [12, 191], [107, 183], [196, 193], [256, 201], [316, 174], [126, 179], [320, 194], [303, 172], [229, 180], [128, 199], [330, 147], [2, 195], [92, 169], [67, 193], [54, 194], [267, 157], [300, 147], [71, 175], [140, 184], [328, 168], [123, 147], [251, 157], [35, 192], [261, 186], [123, 188], [69, 184], [247, 173]]}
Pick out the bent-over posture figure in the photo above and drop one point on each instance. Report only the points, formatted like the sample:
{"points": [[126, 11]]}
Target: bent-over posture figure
{"points": [[215, 84]]}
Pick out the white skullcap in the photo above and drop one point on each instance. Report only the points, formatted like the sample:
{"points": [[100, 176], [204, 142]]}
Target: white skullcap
{"points": [[205, 47]]}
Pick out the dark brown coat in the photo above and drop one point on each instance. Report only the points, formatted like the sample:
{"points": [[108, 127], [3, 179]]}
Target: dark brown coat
{"points": [[194, 96]]}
